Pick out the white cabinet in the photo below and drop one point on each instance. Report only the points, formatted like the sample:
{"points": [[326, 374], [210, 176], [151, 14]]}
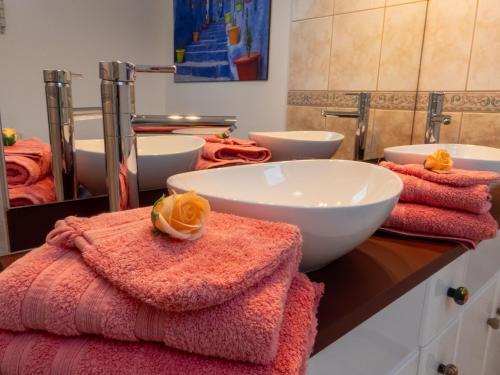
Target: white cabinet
{"points": [[440, 309], [441, 351], [410, 367], [492, 362], [473, 332]]}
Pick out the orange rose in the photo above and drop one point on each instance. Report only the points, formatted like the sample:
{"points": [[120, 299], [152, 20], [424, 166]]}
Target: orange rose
{"points": [[439, 161], [181, 216]]}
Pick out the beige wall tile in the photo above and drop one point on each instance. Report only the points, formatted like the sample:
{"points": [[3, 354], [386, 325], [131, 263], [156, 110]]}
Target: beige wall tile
{"points": [[344, 6], [305, 118], [447, 45], [484, 73], [392, 128], [481, 129], [399, 2], [402, 47], [311, 8], [356, 45], [449, 133], [310, 54]]}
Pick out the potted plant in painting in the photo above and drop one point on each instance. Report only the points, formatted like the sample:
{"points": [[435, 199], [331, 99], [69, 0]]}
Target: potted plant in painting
{"points": [[179, 55], [239, 5], [248, 65], [233, 32], [196, 36]]}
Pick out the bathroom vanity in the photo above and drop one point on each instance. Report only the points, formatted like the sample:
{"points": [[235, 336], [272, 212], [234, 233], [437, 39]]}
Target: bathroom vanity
{"points": [[389, 309]]}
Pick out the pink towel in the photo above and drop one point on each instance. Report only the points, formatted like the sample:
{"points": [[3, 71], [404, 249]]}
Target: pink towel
{"points": [[52, 289], [37, 353], [433, 222], [475, 199], [456, 177], [40, 192], [27, 161], [234, 254], [219, 152]]}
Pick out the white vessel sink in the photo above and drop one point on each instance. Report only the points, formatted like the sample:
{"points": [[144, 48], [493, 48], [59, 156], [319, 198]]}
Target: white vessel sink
{"points": [[472, 157], [338, 204], [158, 158], [297, 145]]}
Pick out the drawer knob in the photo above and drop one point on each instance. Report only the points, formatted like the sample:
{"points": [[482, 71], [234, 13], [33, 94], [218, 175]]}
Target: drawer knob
{"points": [[460, 295], [447, 369], [494, 323]]}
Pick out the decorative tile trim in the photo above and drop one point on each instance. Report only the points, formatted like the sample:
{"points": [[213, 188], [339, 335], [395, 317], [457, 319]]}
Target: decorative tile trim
{"points": [[408, 101]]}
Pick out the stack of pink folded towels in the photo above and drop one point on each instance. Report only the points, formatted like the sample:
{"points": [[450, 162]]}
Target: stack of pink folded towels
{"points": [[452, 205], [109, 295], [28, 166]]}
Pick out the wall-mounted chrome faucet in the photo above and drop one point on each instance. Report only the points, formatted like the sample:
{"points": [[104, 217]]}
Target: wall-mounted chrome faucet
{"points": [[435, 117], [362, 115], [120, 122]]}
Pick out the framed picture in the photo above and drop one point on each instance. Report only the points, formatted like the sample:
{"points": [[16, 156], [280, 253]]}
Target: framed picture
{"points": [[221, 40]]}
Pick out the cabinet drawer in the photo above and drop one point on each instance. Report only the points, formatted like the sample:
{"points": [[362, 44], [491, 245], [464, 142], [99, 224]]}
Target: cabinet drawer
{"points": [[483, 264], [439, 309], [378, 346], [441, 351]]}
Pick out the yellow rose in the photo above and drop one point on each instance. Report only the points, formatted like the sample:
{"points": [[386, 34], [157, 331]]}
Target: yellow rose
{"points": [[440, 160], [181, 216]]}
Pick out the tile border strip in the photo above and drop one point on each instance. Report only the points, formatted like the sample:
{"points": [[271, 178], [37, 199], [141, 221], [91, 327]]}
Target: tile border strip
{"points": [[488, 102]]}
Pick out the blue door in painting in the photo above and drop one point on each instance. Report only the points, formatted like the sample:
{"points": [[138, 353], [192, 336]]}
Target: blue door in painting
{"points": [[221, 40]]}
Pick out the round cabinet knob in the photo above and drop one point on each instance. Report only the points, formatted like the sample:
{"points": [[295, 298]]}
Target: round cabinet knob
{"points": [[448, 369], [494, 323], [460, 295]]}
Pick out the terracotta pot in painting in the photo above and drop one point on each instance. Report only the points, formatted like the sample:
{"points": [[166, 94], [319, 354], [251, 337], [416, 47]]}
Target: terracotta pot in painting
{"points": [[248, 66]]}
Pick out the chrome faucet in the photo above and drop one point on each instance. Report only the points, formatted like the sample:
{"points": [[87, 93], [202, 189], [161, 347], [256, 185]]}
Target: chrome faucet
{"points": [[362, 115], [121, 124], [435, 117]]}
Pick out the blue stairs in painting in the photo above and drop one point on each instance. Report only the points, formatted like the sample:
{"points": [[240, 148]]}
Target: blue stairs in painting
{"points": [[208, 57]]}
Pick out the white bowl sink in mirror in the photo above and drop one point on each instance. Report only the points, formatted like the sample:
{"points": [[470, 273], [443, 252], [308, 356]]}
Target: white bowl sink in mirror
{"points": [[299, 145], [471, 157], [337, 204], [159, 157], [201, 131]]}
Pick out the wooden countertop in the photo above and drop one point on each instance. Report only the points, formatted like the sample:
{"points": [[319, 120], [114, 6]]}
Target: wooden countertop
{"points": [[364, 281]]}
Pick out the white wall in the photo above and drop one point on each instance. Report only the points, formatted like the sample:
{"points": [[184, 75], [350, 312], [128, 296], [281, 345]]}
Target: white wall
{"points": [[259, 106], [75, 35]]}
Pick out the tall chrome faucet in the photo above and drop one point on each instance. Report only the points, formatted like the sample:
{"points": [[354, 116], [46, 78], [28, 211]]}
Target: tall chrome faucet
{"points": [[362, 115], [120, 122], [435, 117]]}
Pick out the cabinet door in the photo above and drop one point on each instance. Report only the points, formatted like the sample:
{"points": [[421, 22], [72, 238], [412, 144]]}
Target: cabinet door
{"points": [[492, 366], [474, 329], [410, 367], [441, 351]]}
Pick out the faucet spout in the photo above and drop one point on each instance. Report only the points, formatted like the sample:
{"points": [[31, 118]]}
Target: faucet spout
{"points": [[435, 118]]}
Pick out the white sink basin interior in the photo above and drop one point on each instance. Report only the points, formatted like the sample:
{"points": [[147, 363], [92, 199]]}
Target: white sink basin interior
{"points": [[338, 204], [464, 156], [297, 145], [158, 158]]}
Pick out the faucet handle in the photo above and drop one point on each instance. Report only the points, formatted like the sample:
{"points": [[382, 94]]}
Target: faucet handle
{"points": [[156, 69]]}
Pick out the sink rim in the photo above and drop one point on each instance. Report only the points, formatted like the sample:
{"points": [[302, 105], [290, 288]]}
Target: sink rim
{"points": [[279, 135], [416, 150], [197, 145], [389, 173]]}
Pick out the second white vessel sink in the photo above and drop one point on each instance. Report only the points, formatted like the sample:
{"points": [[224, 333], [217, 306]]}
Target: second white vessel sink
{"points": [[471, 157], [337, 204], [298, 145], [158, 157]]}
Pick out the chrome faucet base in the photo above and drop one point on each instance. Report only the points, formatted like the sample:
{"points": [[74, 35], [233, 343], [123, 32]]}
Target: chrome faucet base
{"points": [[435, 118]]}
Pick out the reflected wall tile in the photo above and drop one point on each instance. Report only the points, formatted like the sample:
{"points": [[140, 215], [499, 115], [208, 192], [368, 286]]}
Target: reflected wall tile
{"points": [[391, 128], [481, 129], [401, 47], [311, 8], [310, 54], [483, 72], [449, 133], [345, 6], [370, 152], [399, 2], [357, 38], [305, 118], [347, 127], [447, 45]]}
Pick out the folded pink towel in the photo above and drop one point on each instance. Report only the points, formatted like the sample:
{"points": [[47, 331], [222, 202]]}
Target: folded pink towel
{"points": [[52, 289], [475, 199], [27, 161], [426, 221], [40, 192], [456, 177], [234, 254], [37, 353], [219, 152]]}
